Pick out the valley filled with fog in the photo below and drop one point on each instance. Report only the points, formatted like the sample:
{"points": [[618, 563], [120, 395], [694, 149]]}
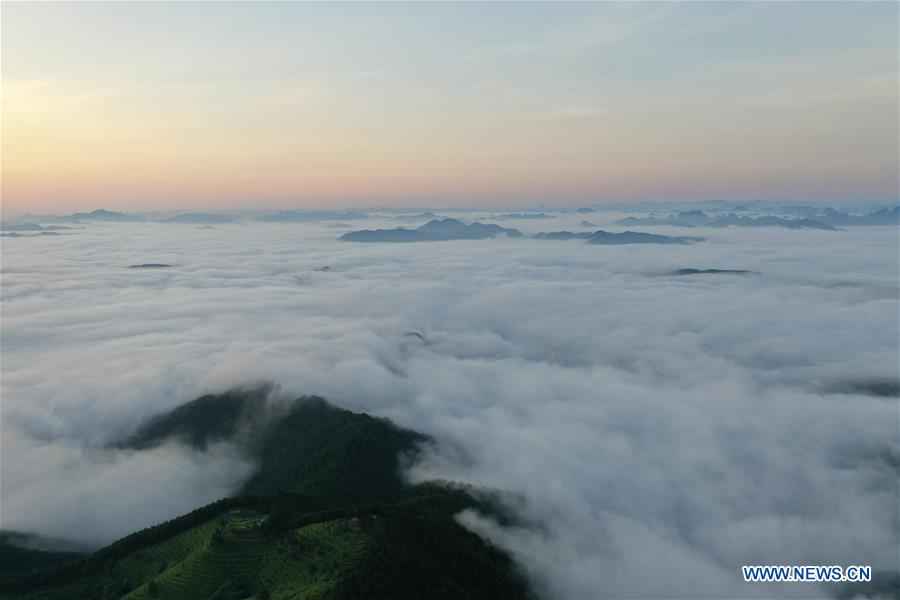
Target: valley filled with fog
{"points": [[652, 431]]}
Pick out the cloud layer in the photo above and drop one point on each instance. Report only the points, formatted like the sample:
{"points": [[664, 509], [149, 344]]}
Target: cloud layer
{"points": [[656, 432]]}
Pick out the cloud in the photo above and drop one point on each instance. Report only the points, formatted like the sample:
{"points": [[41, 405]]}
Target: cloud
{"points": [[98, 495], [657, 432]]}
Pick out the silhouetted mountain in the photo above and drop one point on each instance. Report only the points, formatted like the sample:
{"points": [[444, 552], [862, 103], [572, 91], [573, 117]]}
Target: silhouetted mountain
{"points": [[563, 235], [436, 230], [15, 234], [419, 217], [696, 218], [103, 215], [710, 272], [587, 224], [34, 227], [692, 216], [884, 216], [387, 235], [524, 216], [307, 216], [733, 220], [200, 219], [637, 237]]}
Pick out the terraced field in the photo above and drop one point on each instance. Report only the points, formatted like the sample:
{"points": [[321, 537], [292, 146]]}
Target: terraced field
{"points": [[315, 558], [147, 563], [231, 556]]}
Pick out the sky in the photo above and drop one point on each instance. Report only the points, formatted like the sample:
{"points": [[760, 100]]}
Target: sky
{"points": [[137, 106]]}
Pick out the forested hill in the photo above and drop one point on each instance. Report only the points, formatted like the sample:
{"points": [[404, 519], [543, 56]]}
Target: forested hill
{"points": [[326, 515]]}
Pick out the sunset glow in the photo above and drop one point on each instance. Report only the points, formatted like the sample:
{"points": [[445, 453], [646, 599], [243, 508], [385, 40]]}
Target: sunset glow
{"points": [[170, 105]]}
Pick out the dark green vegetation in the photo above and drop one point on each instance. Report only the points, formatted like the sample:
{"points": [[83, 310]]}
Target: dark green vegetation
{"points": [[327, 515], [23, 552], [210, 418]]}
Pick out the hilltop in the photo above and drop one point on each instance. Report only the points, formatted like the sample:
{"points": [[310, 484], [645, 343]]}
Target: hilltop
{"points": [[326, 515]]}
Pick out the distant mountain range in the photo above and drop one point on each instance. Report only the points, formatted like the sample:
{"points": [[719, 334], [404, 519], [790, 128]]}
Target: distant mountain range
{"points": [[104, 215], [828, 219], [607, 238], [637, 237], [696, 218], [29, 222], [429, 216], [884, 216], [200, 219], [34, 227], [308, 216], [435, 230], [563, 235], [15, 234], [149, 266], [682, 272], [523, 216], [453, 229]]}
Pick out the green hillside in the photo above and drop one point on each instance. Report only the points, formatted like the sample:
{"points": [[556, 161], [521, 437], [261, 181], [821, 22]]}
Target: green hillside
{"points": [[319, 449], [15, 558], [207, 419], [326, 515], [234, 556]]}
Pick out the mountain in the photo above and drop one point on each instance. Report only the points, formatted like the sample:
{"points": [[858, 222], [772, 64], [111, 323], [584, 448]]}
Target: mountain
{"points": [[419, 217], [523, 216], [733, 220], [883, 216], [103, 215], [434, 230], [200, 219], [681, 272], [307, 216], [388, 235], [690, 218], [562, 235], [697, 218], [34, 227], [312, 447], [16, 234], [210, 418], [23, 552], [636, 237], [326, 515]]}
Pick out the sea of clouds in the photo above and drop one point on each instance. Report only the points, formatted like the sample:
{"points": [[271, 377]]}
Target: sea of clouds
{"points": [[655, 432]]}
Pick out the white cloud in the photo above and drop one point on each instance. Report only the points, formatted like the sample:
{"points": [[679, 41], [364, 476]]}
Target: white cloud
{"points": [[658, 431]]}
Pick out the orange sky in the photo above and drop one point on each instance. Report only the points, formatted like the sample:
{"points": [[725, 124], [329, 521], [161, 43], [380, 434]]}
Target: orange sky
{"points": [[208, 105]]}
